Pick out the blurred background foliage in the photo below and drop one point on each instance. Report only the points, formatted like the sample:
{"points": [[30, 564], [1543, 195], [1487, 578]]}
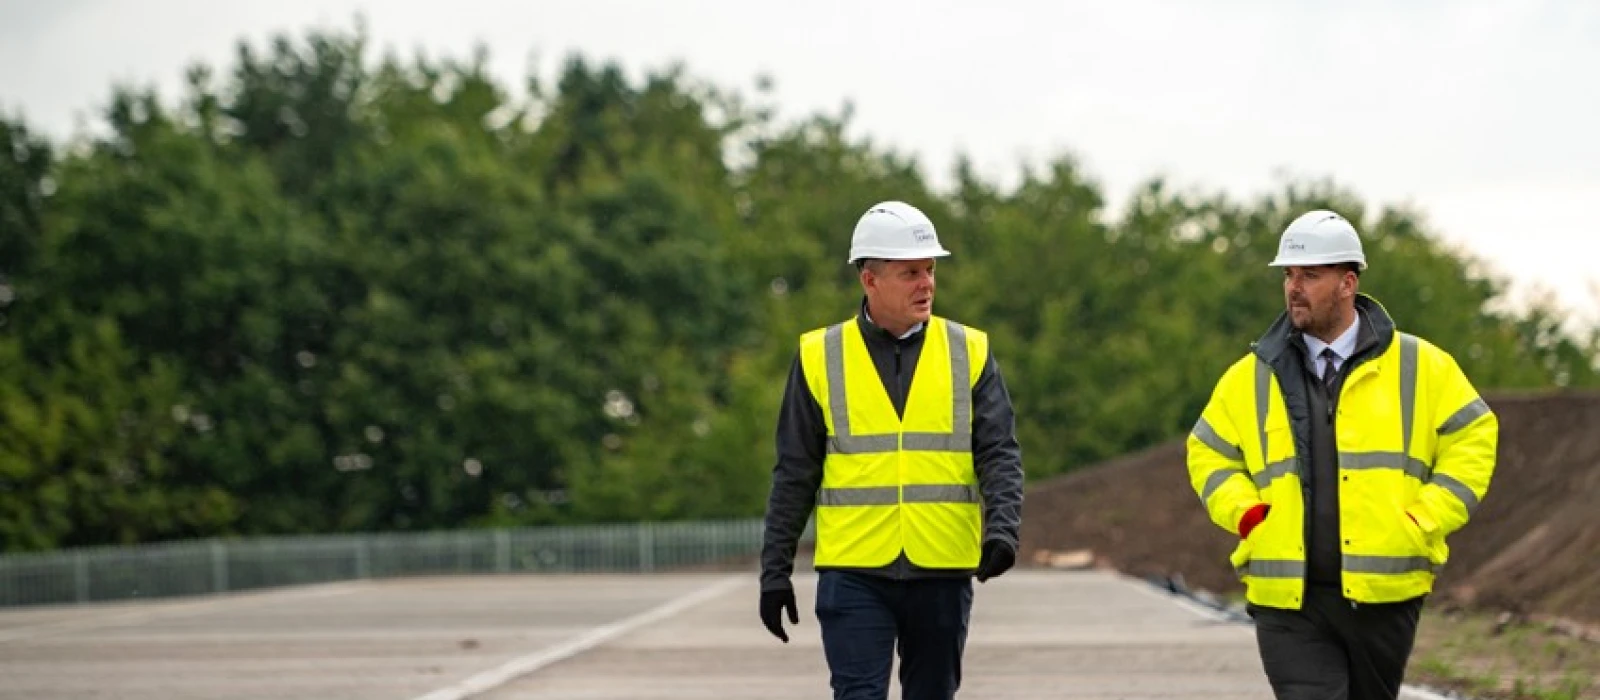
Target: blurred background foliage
{"points": [[326, 291]]}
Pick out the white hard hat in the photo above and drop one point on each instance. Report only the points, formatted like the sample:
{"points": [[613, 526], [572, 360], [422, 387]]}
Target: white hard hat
{"points": [[1319, 237], [895, 231]]}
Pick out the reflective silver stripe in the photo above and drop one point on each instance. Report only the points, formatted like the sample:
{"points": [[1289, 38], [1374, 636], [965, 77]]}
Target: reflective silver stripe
{"points": [[1464, 417], [1408, 390], [1282, 467], [959, 439], [1460, 419], [960, 382], [1468, 498], [890, 495], [1384, 460], [1372, 564], [864, 496], [1263, 395], [833, 357], [1217, 479], [937, 442], [913, 442], [862, 444], [843, 442], [1274, 568], [1209, 436], [941, 493]]}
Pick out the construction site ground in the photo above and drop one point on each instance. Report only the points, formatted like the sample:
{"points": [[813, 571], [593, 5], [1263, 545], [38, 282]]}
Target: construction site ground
{"points": [[1035, 634]]}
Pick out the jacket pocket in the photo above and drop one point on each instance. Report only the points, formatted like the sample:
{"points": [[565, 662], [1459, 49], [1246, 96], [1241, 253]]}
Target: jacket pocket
{"points": [[1436, 551], [1241, 553]]}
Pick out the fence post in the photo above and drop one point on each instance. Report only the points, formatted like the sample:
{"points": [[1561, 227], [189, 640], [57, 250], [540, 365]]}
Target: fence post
{"points": [[219, 567], [502, 551], [647, 547], [363, 557], [567, 550], [80, 576]]}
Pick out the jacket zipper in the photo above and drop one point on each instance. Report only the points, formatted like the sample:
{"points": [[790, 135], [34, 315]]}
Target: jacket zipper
{"points": [[1333, 405], [899, 459]]}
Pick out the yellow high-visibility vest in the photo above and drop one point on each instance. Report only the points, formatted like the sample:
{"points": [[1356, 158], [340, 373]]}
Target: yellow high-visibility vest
{"points": [[893, 484], [1414, 439]]}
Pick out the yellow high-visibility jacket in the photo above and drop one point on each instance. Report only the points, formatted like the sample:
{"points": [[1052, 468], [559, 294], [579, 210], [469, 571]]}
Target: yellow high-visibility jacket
{"points": [[1413, 436], [891, 483]]}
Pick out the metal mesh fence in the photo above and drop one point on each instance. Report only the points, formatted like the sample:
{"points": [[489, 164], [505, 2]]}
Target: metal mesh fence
{"points": [[214, 566]]}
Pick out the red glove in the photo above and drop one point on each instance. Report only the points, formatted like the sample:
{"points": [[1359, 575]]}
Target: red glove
{"points": [[1252, 518]]}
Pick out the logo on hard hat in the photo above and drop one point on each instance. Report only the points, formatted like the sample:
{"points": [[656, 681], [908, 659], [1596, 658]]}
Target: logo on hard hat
{"points": [[922, 235]]}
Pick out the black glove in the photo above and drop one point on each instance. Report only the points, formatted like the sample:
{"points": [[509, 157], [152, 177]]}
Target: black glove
{"points": [[772, 605], [997, 559]]}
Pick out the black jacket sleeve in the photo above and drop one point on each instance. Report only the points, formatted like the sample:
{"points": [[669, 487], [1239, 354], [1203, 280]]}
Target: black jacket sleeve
{"points": [[997, 456], [802, 445]]}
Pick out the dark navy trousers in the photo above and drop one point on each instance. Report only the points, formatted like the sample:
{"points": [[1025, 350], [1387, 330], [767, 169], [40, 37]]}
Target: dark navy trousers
{"points": [[864, 618]]}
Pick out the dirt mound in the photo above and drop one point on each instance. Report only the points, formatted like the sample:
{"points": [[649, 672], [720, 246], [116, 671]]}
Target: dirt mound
{"points": [[1532, 547]]}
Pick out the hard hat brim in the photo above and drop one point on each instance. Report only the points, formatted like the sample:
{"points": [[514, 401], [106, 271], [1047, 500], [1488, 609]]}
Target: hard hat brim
{"points": [[1314, 260], [896, 254]]}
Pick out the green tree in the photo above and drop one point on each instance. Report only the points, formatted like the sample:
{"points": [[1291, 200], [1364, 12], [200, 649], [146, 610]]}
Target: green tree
{"points": [[327, 292]]}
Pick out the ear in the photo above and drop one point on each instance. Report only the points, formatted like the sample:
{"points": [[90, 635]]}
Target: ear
{"points": [[1349, 283]]}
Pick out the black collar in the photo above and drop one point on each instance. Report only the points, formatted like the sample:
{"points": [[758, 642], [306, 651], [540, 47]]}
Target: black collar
{"points": [[1377, 331]]}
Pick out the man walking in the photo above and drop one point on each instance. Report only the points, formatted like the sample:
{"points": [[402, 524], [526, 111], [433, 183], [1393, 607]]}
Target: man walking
{"points": [[1342, 452], [896, 428]]}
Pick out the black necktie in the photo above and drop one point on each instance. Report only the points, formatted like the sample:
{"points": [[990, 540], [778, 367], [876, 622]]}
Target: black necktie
{"points": [[1330, 374]]}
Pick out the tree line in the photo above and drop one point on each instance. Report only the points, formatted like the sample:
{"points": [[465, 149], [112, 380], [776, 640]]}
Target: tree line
{"points": [[326, 291]]}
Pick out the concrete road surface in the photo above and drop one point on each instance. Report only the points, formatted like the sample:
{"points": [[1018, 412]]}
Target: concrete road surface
{"points": [[1035, 634], [391, 639]]}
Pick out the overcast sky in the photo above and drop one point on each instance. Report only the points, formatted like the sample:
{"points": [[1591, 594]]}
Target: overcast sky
{"points": [[1481, 114]]}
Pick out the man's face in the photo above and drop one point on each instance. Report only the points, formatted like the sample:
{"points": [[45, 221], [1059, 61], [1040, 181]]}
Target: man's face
{"points": [[900, 291], [1316, 295]]}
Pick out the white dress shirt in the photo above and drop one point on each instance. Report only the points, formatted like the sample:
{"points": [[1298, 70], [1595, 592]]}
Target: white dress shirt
{"points": [[1343, 347]]}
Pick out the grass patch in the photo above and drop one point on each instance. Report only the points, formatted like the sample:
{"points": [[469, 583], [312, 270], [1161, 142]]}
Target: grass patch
{"points": [[1496, 658]]}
